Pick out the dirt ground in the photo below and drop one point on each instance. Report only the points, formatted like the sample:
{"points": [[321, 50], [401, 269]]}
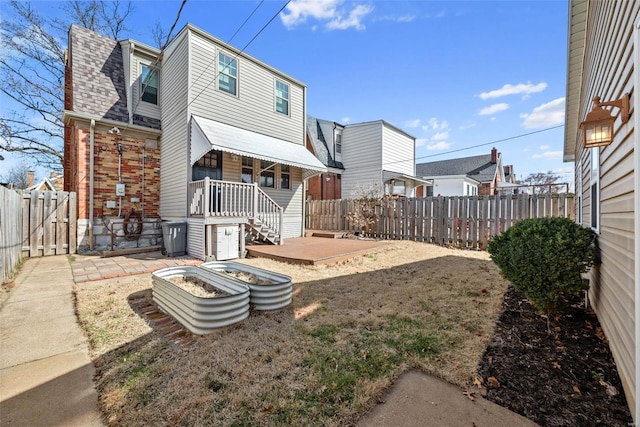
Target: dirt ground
{"points": [[563, 378], [351, 330]]}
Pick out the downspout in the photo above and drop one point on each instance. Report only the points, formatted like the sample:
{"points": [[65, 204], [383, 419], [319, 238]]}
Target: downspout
{"points": [[304, 181], [636, 221], [132, 48], [91, 154]]}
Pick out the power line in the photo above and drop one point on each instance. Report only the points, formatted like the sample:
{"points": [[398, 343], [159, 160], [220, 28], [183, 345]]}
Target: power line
{"points": [[238, 54], [490, 143]]}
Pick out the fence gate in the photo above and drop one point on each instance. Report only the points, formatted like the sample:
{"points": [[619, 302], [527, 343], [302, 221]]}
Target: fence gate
{"points": [[49, 223]]}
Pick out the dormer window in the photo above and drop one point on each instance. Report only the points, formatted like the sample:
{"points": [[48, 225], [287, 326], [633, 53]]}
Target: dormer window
{"points": [[149, 85], [338, 143], [227, 74]]}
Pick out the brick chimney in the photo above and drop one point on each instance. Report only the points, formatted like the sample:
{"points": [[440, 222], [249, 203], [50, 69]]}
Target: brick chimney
{"points": [[30, 178], [494, 155]]}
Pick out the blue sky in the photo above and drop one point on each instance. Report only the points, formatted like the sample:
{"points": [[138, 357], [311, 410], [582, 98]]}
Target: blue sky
{"points": [[454, 74]]}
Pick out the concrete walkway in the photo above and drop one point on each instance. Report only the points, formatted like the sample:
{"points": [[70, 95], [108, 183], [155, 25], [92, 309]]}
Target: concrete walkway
{"points": [[46, 375]]}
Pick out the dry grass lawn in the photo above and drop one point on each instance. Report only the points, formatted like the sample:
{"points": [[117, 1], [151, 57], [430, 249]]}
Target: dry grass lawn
{"points": [[325, 360]]}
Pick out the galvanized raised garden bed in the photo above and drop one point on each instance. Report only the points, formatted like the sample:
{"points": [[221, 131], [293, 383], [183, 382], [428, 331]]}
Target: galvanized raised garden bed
{"points": [[200, 314], [269, 291]]}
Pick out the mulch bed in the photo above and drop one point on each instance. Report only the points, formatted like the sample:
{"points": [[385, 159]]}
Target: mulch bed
{"points": [[565, 377]]}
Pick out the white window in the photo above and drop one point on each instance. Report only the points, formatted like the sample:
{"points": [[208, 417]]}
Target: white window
{"points": [[398, 187], [227, 74], [468, 190], [149, 85], [595, 188], [338, 143], [285, 177], [282, 97]]}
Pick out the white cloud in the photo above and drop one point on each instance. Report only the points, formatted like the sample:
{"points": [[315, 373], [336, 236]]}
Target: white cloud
{"points": [[434, 124], [544, 147], [440, 136], [401, 19], [345, 120], [421, 141], [548, 155], [412, 123], [353, 20], [549, 114], [520, 88], [467, 126], [442, 145], [495, 108], [563, 170], [298, 11]]}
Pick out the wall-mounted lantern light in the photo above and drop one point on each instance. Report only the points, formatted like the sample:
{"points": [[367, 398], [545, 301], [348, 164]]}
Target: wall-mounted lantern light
{"points": [[597, 129]]}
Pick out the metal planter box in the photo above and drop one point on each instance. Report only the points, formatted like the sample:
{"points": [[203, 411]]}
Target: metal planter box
{"points": [[200, 315], [272, 296]]}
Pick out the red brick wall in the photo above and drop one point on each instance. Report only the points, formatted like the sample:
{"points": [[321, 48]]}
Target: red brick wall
{"points": [[106, 172]]}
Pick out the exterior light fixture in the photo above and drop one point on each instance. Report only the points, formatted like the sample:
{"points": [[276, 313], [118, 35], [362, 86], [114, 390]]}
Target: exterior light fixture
{"points": [[597, 129]]}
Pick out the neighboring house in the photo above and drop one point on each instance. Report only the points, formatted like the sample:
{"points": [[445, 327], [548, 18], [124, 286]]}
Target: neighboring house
{"points": [[466, 176], [55, 182], [363, 157], [206, 134], [603, 61], [324, 140]]}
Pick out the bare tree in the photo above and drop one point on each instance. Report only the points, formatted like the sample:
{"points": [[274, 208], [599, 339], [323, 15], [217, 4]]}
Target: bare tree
{"points": [[17, 176], [544, 183], [32, 73]]}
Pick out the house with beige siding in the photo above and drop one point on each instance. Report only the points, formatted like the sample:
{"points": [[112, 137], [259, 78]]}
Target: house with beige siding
{"points": [[200, 133], [604, 56]]}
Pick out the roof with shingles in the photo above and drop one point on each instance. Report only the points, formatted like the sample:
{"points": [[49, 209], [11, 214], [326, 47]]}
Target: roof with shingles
{"points": [[479, 168], [320, 143]]}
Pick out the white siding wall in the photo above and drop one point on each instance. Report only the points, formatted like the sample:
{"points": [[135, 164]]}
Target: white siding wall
{"points": [[449, 186], [174, 145], [254, 107], [362, 158], [398, 151], [608, 73]]}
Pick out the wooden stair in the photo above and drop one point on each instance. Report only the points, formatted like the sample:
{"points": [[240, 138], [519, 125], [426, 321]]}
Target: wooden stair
{"points": [[259, 232]]}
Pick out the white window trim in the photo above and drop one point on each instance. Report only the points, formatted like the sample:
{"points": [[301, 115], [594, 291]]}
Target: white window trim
{"points": [[221, 72], [141, 83], [595, 180], [275, 97], [579, 189], [280, 173]]}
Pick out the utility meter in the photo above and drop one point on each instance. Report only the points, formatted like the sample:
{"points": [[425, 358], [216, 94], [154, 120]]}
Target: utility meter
{"points": [[119, 189]]}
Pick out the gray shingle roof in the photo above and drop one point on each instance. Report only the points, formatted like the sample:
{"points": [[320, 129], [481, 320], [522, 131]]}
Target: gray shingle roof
{"points": [[479, 168], [320, 145]]}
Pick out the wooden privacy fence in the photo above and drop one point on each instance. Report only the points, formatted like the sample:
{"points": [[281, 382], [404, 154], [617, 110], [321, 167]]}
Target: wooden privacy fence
{"points": [[466, 222], [10, 232], [49, 223]]}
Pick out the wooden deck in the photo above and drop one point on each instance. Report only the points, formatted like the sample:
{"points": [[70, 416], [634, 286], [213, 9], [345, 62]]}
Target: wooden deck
{"points": [[317, 250]]}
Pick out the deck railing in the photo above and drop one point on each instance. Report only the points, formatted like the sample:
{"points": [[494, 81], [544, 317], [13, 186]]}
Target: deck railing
{"points": [[213, 198]]}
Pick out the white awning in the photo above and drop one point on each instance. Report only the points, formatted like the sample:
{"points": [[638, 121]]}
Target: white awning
{"points": [[209, 135], [387, 175]]}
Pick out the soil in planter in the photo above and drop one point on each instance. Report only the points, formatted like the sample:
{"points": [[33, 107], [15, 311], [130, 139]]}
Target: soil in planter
{"points": [[197, 287], [248, 277], [563, 378]]}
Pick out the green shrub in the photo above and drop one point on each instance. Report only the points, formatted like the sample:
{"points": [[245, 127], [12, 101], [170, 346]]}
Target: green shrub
{"points": [[543, 257]]}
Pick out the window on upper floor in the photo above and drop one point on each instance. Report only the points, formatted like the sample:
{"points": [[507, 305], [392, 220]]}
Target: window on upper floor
{"points": [[227, 74], [282, 97], [285, 177], [247, 170], [338, 143], [267, 174], [149, 85]]}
